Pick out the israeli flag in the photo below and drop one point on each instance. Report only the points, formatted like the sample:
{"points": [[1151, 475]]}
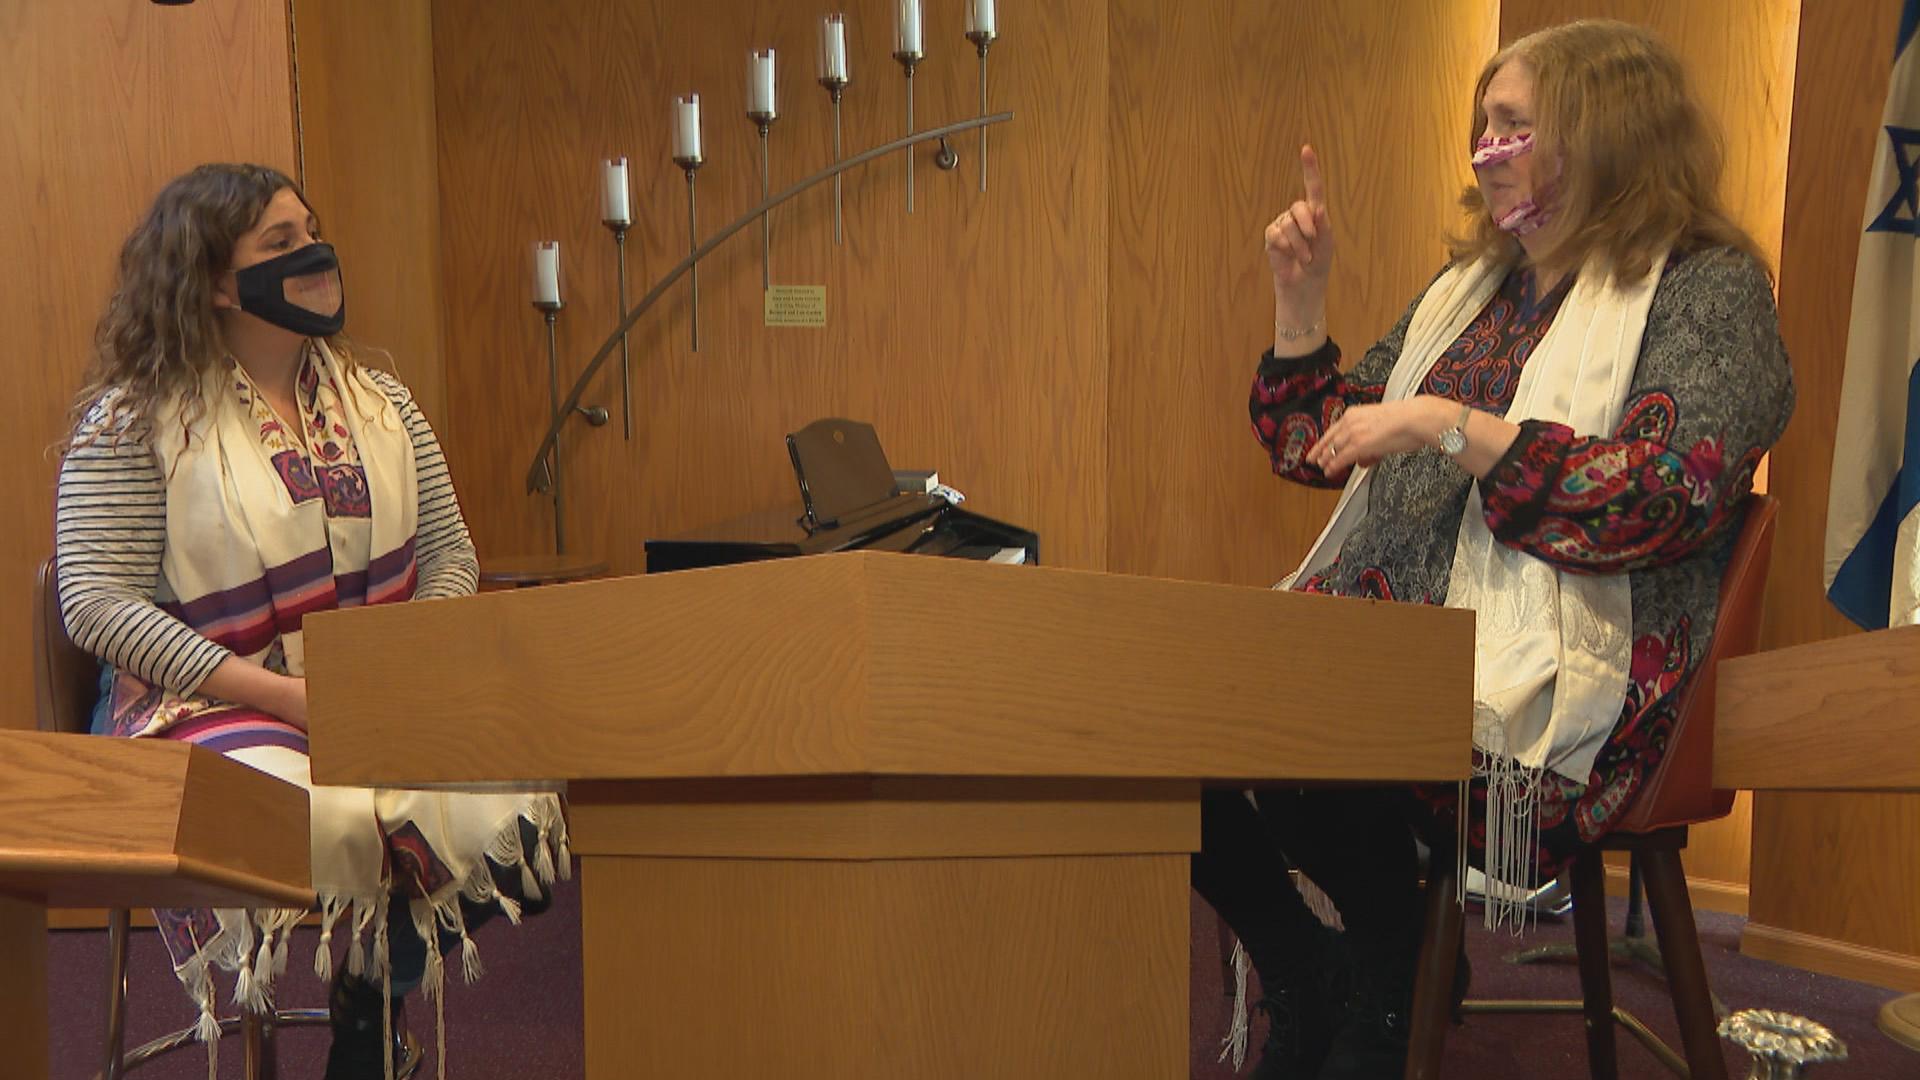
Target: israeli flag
{"points": [[1873, 507]]}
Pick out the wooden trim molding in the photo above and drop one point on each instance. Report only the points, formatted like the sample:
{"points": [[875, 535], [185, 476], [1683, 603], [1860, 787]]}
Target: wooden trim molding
{"points": [[1895, 971], [1705, 894]]}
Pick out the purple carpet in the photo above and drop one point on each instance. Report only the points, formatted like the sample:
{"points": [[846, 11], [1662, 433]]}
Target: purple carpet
{"points": [[523, 1019]]}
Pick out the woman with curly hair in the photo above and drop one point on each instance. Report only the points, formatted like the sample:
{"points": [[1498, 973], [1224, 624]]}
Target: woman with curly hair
{"points": [[1560, 434], [232, 468]]}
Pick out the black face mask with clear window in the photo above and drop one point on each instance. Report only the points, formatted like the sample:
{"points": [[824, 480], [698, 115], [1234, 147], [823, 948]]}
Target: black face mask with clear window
{"points": [[300, 291]]}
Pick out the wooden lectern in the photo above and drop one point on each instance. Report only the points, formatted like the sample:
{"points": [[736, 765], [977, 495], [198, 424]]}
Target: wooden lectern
{"points": [[101, 822], [1835, 715], [872, 815]]}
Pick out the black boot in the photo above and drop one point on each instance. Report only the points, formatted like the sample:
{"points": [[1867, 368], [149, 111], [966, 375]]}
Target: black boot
{"points": [[1372, 1041], [1243, 877], [1304, 995], [358, 1049]]}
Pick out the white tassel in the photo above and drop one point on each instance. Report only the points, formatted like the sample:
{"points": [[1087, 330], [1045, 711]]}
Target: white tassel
{"points": [[1512, 830], [198, 972], [1319, 903], [470, 966], [330, 912], [245, 994], [280, 952], [439, 1036], [508, 907], [263, 975], [423, 916], [543, 862], [208, 1028], [1234, 1045], [382, 958], [359, 963]]}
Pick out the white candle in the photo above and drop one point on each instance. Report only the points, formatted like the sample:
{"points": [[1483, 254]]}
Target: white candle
{"points": [[833, 49], [980, 18], [760, 100], [906, 28], [614, 209], [546, 272], [686, 128]]}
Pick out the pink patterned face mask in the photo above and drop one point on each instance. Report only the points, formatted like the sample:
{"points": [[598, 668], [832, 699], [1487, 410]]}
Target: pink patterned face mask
{"points": [[1491, 150]]}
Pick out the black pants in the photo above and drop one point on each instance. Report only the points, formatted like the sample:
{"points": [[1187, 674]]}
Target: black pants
{"points": [[1356, 844]]}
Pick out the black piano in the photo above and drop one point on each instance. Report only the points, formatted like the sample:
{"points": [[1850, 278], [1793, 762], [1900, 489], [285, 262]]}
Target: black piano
{"points": [[850, 499]]}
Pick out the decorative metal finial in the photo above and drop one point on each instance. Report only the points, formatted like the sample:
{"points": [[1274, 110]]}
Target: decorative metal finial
{"points": [[1782, 1045]]}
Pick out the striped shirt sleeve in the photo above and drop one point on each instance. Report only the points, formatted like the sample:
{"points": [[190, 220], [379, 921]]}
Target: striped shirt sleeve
{"points": [[110, 529], [447, 562]]}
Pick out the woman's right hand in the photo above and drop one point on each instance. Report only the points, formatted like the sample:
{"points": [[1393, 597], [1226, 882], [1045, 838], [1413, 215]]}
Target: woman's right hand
{"points": [[1300, 250]]}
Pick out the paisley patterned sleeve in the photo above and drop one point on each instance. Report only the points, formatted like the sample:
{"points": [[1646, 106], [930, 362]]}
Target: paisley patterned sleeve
{"points": [[1297, 398], [1713, 390]]}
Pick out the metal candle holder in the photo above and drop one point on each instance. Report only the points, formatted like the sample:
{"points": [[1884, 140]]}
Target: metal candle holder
{"points": [[982, 38], [835, 88], [692, 166], [537, 472], [909, 61], [617, 217], [1783, 1046], [833, 77], [764, 121], [626, 360], [550, 310]]}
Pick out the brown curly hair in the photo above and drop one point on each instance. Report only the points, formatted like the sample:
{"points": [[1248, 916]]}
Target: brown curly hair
{"points": [[159, 335], [1641, 158]]}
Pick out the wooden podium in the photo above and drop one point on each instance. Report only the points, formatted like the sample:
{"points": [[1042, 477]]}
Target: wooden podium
{"points": [[1835, 715], [101, 822], [870, 815]]}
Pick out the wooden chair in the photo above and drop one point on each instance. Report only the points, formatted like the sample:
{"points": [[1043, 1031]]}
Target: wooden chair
{"points": [[1678, 794], [66, 684]]}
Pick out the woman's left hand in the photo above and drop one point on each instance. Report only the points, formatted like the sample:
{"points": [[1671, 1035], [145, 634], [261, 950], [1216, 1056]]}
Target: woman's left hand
{"points": [[1365, 434]]}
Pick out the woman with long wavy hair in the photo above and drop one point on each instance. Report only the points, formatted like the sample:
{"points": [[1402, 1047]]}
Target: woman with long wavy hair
{"points": [[232, 469], [1561, 434]]}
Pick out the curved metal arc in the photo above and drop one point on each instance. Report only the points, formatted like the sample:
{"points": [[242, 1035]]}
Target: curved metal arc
{"points": [[607, 347]]}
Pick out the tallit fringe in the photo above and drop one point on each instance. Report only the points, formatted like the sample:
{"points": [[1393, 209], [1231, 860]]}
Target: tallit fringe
{"points": [[1234, 1044], [1512, 840], [1318, 902], [254, 944], [232, 949]]}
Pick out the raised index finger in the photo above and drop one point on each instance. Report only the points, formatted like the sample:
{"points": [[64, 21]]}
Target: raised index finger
{"points": [[1310, 173]]}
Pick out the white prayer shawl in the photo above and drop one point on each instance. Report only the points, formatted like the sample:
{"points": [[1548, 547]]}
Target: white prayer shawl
{"points": [[242, 559], [1552, 649]]}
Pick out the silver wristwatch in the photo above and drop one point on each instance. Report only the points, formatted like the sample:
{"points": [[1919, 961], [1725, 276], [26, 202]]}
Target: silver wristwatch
{"points": [[1454, 439]]}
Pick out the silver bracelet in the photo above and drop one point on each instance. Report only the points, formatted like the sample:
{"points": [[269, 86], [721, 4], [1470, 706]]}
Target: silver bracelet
{"points": [[1288, 333]]}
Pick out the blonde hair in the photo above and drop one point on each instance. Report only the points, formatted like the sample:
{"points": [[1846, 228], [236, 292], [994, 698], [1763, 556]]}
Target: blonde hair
{"points": [[1639, 159], [159, 335]]}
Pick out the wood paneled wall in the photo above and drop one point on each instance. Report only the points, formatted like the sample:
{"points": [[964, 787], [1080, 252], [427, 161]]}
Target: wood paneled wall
{"points": [[971, 333], [1829, 868], [1210, 104], [368, 163], [1123, 436], [105, 102]]}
